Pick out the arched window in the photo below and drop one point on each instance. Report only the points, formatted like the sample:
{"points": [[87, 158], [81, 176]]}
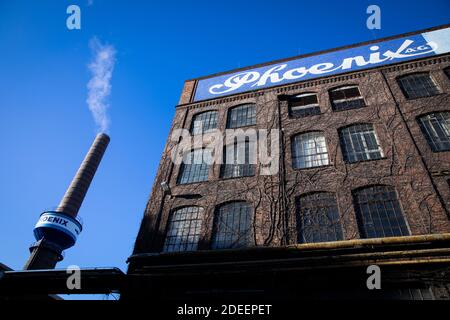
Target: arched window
{"points": [[303, 105], [204, 122], [436, 128], [318, 218], [183, 232], [233, 226], [241, 116], [418, 85], [345, 98], [309, 150], [359, 142], [195, 166], [378, 212]]}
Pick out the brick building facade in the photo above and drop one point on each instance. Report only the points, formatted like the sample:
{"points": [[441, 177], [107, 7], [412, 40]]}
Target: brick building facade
{"points": [[363, 155]]}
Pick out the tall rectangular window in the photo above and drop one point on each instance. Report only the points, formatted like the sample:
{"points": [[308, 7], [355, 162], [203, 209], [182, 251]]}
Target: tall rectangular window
{"points": [[378, 212], [309, 150], [345, 98], [195, 166], [241, 116], [418, 85], [183, 231], [303, 105], [318, 218], [436, 128], [233, 226], [237, 162], [359, 142], [204, 122]]}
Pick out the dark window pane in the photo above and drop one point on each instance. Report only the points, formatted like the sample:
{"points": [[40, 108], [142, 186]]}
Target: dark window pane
{"points": [[233, 226], [418, 85], [352, 92], [241, 116], [204, 122], [346, 98], [359, 142], [183, 231], [378, 212], [195, 166], [318, 218], [436, 128]]}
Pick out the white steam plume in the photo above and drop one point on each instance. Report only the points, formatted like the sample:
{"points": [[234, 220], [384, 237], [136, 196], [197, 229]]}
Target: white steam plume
{"points": [[99, 86]]}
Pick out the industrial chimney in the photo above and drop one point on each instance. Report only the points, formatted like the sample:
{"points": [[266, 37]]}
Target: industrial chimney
{"points": [[58, 230]]}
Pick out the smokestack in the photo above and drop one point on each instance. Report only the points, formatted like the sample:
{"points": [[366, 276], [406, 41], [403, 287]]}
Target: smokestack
{"points": [[58, 230]]}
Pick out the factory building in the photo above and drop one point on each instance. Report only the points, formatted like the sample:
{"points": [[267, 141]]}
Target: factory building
{"points": [[323, 164]]}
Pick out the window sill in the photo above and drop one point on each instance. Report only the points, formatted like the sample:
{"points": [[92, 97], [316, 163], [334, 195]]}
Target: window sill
{"points": [[368, 160]]}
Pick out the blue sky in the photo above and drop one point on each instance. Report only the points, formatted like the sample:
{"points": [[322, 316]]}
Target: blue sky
{"points": [[45, 124]]}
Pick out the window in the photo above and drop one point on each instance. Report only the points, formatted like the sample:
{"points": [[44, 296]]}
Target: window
{"points": [[418, 85], [303, 105], [378, 212], [318, 218], [241, 116], [183, 231], [204, 122], [195, 166], [345, 98], [239, 164], [359, 142], [402, 293], [436, 128], [233, 226], [309, 150], [447, 72]]}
